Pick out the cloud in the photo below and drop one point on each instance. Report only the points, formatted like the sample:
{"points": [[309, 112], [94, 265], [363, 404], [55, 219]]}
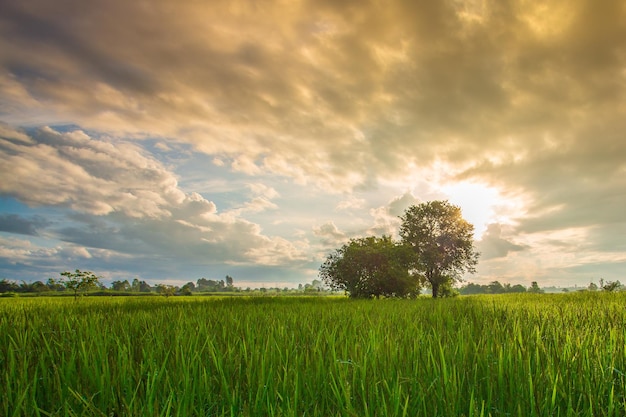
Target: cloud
{"points": [[259, 204], [492, 245], [93, 176], [23, 252], [351, 203], [344, 96], [263, 190], [387, 218], [129, 202], [330, 235], [13, 223], [398, 205]]}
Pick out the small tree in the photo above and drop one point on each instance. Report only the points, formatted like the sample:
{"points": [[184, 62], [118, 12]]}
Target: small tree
{"points": [[517, 288], [496, 288], [166, 290], [370, 267], [534, 288], [54, 285], [612, 286], [442, 243], [144, 286], [8, 286], [187, 289], [229, 282], [79, 281], [121, 285]]}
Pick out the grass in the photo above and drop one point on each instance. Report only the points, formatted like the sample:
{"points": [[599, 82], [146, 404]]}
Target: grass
{"points": [[510, 355]]}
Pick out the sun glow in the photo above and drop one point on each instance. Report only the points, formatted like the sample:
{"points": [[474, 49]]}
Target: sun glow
{"points": [[481, 204]]}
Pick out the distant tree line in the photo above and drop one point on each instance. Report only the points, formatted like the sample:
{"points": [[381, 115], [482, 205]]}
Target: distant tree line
{"points": [[609, 286], [495, 287], [79, 282]]}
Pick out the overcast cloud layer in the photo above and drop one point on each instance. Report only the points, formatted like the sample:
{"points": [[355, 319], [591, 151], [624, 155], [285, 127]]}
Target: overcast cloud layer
{"points": [[176, 140]]}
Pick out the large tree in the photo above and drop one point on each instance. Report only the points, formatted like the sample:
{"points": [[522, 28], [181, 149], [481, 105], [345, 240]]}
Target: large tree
{"points": [[370, 267], [442, 242]]}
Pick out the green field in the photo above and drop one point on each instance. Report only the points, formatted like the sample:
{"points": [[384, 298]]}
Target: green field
{"points": [[518, 355]]}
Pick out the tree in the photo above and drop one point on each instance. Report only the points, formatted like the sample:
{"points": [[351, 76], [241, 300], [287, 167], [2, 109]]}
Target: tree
{"points": [[8, 286], [370, 267], [496, 288], [79, 281], [144, 286], [204, 284], [229, 282], [36, 286], [472, 288], [187, 289], [534, 288], [517, 288], [611, 286], [54, 285], [442, 243], [121, 285], [166, 290]]}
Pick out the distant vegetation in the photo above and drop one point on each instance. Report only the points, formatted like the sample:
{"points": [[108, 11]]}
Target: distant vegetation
{"points": [[496, 287], [86, 282]]}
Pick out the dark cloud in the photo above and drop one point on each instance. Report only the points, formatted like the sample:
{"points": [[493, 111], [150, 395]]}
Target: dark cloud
{"points": [[14, 223]]}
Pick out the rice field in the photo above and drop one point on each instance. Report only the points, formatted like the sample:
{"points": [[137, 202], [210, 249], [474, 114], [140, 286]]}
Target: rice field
{"points": [[508, 355]]}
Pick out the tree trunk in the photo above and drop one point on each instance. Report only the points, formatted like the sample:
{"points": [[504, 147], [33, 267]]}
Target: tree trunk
{"points": [[435, 288]]}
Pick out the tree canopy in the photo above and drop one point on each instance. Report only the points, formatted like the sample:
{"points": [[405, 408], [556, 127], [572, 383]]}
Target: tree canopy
{"points": [[78, 281], [442, 242], [370, 267]]}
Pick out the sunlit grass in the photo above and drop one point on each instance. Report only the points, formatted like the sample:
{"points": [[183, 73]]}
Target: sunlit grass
{"points": [[518, 355]]}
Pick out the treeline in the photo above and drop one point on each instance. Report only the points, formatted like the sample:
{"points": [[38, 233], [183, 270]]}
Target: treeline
{"points": [[77, 282], [86, 281], [495, 287]]}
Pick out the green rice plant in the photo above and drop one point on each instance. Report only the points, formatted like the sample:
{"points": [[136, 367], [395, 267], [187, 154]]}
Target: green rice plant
{"points": [[507, 355]]}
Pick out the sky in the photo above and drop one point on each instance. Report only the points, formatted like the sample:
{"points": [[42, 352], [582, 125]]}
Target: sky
{"points": [[174, 140]]}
